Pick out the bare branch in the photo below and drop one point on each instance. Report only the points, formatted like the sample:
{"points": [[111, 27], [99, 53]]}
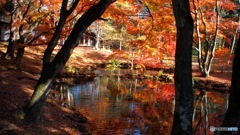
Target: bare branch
{"points": [[149, 11]]}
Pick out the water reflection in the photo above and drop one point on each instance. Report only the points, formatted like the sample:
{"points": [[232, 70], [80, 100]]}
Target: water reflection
{"points": [[209, 111], [118, 105]]}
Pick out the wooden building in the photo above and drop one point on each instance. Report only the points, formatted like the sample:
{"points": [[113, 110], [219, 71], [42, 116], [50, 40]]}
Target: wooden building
{"points": [[4, 26], [88, 39]]}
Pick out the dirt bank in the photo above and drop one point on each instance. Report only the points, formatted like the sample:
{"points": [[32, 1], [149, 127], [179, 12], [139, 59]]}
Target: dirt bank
{"points": [[16, 88]]}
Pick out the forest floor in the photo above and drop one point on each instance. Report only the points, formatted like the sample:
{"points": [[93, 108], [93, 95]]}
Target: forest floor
{"points": [[16, 88]]}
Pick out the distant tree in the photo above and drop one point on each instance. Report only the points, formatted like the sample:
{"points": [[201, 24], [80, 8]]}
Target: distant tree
{"points": [[182, 124], [26, 25], [33, 23], [50, 68], [211, 27], [232, 116]]}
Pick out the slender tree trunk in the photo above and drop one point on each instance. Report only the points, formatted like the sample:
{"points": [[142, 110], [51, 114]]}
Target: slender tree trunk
{"points": [[97, 46], [51, 69], [234, 37], [98, 41], [89, 40], [232, 116], [214, 45], [54, 40], [183, 113], [10, 50], [205, 59], [199, 42]]}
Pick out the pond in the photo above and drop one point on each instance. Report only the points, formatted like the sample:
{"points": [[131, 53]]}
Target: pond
{"points": [[119, 105]]}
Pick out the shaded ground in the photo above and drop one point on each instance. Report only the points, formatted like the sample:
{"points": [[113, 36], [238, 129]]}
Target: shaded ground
{"points": [[16, 87]]}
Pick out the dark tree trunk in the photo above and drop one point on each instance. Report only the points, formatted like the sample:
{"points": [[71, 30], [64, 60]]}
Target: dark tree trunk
{"points": [[183, 113], [232, 116], [51, 69], [10, 50], [18, 59], [34, 108], [53, 42], [20, 50]]}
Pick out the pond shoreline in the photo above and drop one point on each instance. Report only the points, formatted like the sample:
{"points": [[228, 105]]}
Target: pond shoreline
{"points": [[16, 88]]}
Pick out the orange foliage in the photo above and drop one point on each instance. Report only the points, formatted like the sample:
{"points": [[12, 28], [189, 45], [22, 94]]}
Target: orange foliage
{"points": [[156, 92], [167, 92], [227, 24], [152, 25], [224, 57], [223, 52]]}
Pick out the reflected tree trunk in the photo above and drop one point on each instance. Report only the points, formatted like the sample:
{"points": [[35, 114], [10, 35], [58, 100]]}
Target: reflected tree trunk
{"points": [[232, 116], [206, 113], [198, 101], [182, 124], [202, 123]]}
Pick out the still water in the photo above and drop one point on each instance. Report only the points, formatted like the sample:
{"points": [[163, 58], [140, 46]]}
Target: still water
{"points": [[118, 105]]}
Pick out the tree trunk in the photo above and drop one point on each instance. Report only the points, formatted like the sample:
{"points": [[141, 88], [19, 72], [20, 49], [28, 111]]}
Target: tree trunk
{"points": [[34, 108], [10, 50], [183, 113], [57, 33], [232, 116], [51, 69], [18, 59], [205, 59], [98, 37]]}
